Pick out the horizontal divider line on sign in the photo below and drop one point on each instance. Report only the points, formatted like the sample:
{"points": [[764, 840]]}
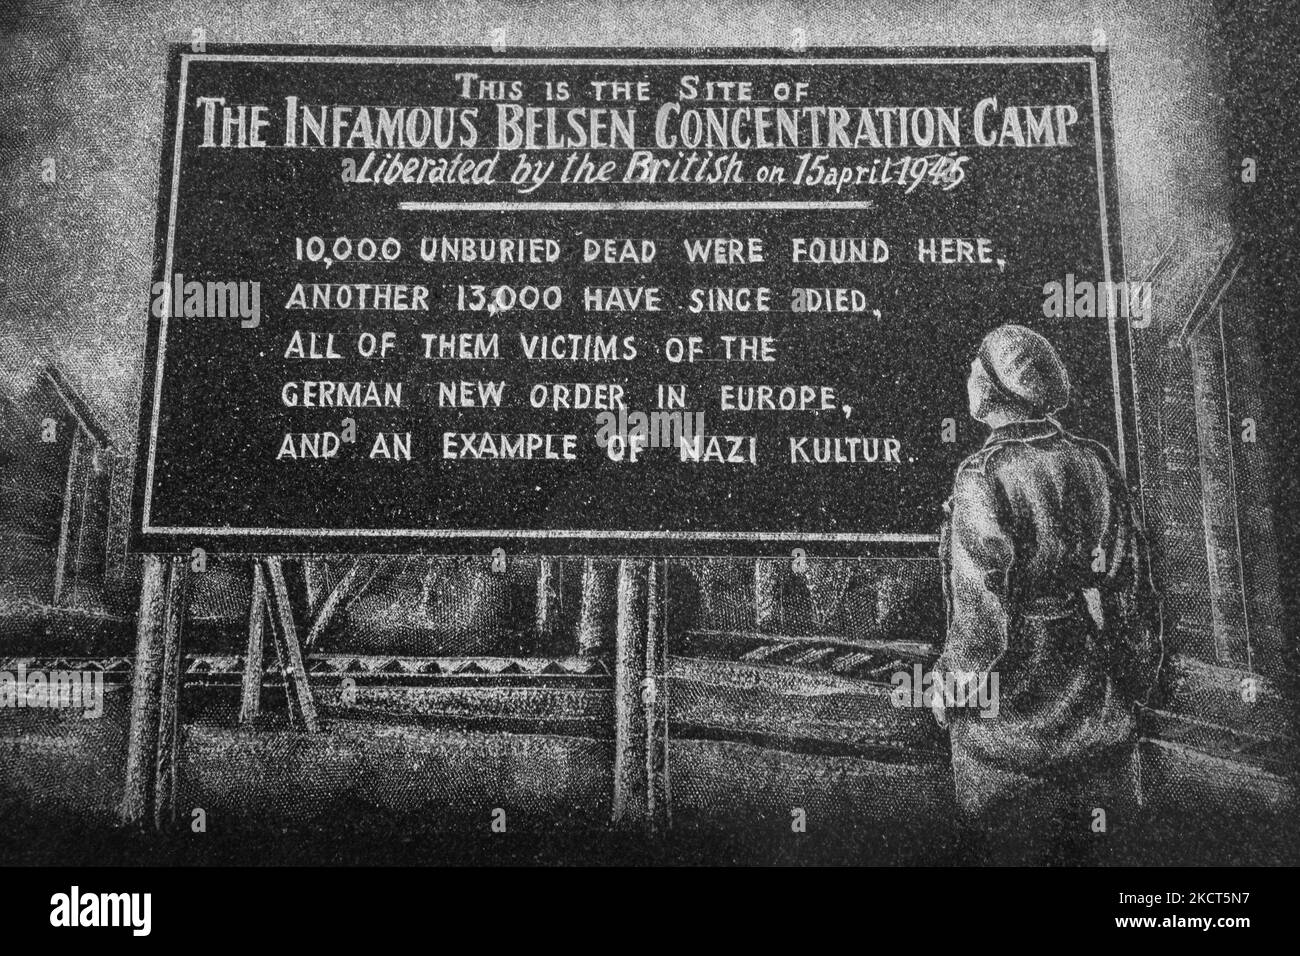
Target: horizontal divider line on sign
{"points": [[631, 206]]}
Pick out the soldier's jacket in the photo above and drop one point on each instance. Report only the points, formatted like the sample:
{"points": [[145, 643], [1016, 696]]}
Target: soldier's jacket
{"points": [[1020, 542]]}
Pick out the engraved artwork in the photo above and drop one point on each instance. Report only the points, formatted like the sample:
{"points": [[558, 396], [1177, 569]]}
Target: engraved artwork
{"points": [[675, 435]]}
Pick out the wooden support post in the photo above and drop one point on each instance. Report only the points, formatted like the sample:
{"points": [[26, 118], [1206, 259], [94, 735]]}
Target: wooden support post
{"points": [[169, 737], [250, 698], [313, 579], [146, 686], [549, 599], [302, 708], [595, 617], [768, 575], [640, 724], [276, 632], [658, 815], [630, 783]]}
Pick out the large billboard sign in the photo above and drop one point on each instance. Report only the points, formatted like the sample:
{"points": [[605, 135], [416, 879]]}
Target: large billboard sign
{"points": [[607, 300]]}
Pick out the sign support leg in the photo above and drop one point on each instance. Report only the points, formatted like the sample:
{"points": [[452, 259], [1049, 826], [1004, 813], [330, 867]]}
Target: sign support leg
{"points": [[154, 694], [549, 600], [302, 706], [595, 604], [169, 726], [640, 717], [250, 697], [656, 700], [146, 683]]}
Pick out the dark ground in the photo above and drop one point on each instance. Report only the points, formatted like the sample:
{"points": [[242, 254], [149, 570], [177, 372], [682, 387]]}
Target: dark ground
{"points": [[363, 793]]}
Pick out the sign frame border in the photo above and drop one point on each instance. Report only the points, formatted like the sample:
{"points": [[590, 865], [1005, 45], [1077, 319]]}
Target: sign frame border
{"points": [[145, 538]]}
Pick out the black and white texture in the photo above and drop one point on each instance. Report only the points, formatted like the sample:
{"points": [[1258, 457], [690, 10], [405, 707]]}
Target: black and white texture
{"points": [[317, 706]]}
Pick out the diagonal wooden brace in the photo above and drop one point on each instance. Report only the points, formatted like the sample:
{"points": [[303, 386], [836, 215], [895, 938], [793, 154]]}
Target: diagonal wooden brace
{"points": [[302, 707], [250, 698], [359, 575]]}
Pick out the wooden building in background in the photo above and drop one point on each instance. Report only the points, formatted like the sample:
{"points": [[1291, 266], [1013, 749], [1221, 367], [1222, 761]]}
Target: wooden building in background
{"points": [[56, 472]]}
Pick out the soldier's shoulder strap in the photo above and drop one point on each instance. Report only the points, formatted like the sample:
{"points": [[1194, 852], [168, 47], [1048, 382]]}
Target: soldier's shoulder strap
{"points": [[1100, 449], [981, 459]]}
